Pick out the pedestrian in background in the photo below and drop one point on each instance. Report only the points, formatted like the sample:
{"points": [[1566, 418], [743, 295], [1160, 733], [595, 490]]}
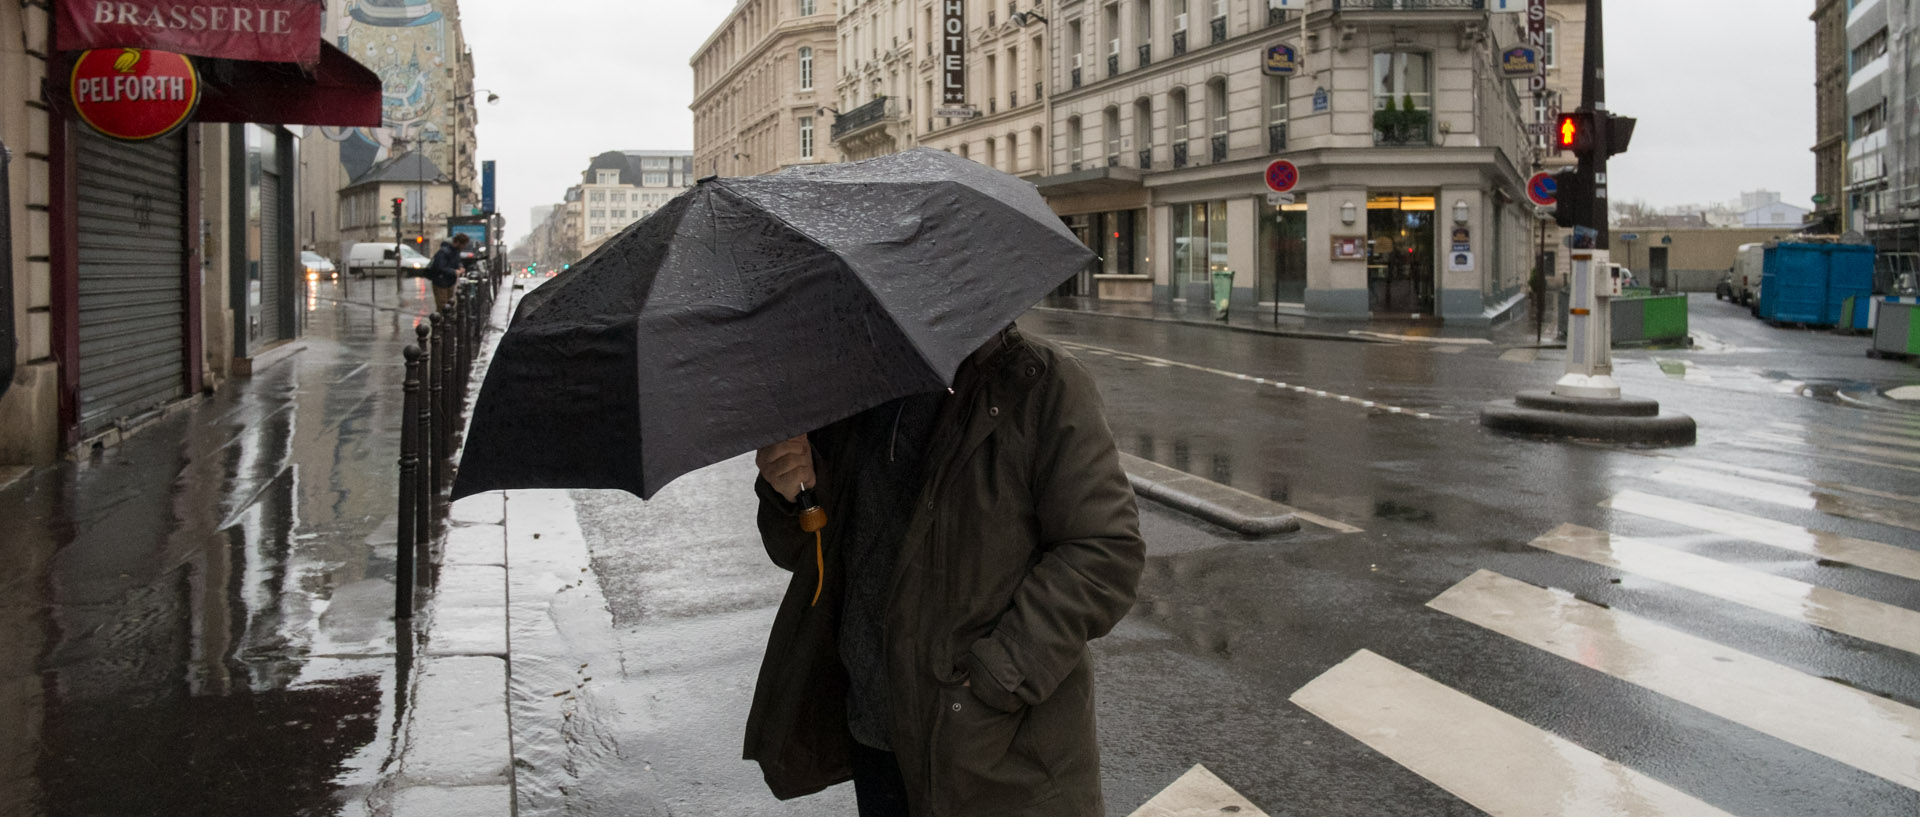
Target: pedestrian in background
{"points": [[445, 269], [932, 645]]}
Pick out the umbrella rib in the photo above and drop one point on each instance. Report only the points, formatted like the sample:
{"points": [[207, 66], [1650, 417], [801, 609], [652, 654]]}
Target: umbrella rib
{"points": [[871, 293]]}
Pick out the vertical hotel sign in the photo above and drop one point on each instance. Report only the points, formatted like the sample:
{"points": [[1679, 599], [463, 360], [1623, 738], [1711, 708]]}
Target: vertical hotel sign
{"points": [[1537, 37], [953, 51]]}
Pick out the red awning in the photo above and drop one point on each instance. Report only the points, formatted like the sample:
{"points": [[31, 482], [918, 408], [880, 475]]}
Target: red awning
{"points": [[338, 91]]}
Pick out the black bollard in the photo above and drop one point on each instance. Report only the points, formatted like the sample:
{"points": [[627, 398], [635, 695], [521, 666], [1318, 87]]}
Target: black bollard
{"points": [[448, 407], [422, 421], [409, 489], [437, 396]]}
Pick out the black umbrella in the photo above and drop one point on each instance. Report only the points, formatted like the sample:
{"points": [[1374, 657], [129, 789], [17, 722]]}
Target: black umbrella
{"points": [[751, 310]]}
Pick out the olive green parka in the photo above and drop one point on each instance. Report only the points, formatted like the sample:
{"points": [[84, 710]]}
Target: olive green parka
{"points": [[1023, 545]]}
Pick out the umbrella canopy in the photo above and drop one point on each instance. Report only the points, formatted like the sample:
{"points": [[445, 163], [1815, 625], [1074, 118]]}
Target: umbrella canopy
{"points": [[751, 310]]}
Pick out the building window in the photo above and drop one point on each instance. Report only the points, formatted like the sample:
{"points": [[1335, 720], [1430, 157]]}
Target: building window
{"points": [[1548, 49], [1217, 120], [654, 179], [1110, 124], [1199, 240], [806, 137], [807, 7], [607, 177], [1076, 144], [598, 195], [1276, 114], [1402, 97], [806, 69]]}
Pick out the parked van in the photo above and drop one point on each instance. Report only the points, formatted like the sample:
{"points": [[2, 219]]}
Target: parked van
{"points": [[368, 258], [1743, 283]]}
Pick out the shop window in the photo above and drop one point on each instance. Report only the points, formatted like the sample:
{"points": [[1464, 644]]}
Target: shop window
{"points": [[1199, 240]]}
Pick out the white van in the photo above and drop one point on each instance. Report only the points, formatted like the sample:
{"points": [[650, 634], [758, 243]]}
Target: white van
{"points": [[368, 258]]}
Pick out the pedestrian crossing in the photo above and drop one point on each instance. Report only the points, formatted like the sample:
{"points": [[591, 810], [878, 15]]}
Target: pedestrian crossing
{"points": [[1705, 528]]}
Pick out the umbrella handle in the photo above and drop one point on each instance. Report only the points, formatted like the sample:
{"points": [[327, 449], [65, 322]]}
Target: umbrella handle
{"points": [[812, 520]]}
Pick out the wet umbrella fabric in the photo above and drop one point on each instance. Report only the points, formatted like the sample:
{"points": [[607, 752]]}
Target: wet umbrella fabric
{"points": [[751, 310]]}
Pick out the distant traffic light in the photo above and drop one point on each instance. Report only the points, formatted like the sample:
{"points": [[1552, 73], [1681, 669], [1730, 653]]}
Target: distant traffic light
{"points": [[397, 202], [1573, 198]]}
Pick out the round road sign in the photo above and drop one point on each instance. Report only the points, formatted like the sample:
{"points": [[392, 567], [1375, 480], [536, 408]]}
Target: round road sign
{"points": [[1540, 189], [1282, 176]]}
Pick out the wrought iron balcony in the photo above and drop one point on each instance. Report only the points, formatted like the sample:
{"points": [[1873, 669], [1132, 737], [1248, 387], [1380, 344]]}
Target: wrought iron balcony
{"points": [[1113, 160], [1179, 43], [1146, 159], [1276, 137], [1276, 16], [1013, 99], [1113, 65], [1219, 29], [1146, 54], [993, 105], [1076, 77], [1409, 5], [1219, 148], [1180, 154], [1037, 96], [860, 117]]}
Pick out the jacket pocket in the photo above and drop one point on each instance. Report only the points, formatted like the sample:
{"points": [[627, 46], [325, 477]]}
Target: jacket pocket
{"points": [[978, 765]]}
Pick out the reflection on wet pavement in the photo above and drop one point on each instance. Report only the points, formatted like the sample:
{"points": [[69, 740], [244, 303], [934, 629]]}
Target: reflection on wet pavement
{"points": [[199, 620]]}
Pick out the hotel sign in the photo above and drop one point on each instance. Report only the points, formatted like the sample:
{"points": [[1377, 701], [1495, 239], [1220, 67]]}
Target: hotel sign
{"points": [[953, 51], [257, 30], [1537, 38]]}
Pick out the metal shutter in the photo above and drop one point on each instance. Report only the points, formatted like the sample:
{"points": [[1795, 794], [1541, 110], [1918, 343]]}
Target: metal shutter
{"points": [[132, 254], [272, 268]]}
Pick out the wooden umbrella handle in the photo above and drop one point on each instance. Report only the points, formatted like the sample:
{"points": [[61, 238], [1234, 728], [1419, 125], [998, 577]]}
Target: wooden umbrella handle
{"points": [[812, 520]]}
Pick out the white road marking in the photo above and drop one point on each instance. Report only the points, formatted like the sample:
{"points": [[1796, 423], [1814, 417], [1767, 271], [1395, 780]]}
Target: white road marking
{"points": [[1773, 438], [1500, 764], [1163, 362], [1736, 486], [1822, 607], [1198, 793], [1521, 355], [1814, 432], [1325, 522], [1859, 552], [1862, 730], [1905, 393]]}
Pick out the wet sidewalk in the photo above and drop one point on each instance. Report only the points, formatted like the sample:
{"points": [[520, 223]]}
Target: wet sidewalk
{"points": [[200, 620], [1516, 331]]}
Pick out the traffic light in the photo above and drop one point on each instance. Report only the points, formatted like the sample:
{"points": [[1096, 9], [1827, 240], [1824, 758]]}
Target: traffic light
{"points": [[1573, 197], [1574, 132], [397, 202]]}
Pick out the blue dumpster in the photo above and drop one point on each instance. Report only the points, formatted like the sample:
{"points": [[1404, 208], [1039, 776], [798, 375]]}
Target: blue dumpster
{"points": [[1810, 283]]}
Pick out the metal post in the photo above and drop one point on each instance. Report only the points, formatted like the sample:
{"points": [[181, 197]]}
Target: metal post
{"points": [[449, 414], [409, 492], [422, 421], [1589, 327], [437, 397]]}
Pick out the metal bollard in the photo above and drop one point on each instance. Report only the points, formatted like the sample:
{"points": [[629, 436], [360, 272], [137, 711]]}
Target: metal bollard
{"points": [[409, 489], [448, 407], [422, 421], [437, 396]]}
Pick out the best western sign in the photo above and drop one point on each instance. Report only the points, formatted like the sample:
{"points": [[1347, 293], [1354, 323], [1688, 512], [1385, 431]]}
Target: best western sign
{"points": [[259, 30], [134, 94]]}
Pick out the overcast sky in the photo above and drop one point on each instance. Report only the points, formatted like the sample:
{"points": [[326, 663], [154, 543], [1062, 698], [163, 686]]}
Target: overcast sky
{"points": [[1723, 90]]}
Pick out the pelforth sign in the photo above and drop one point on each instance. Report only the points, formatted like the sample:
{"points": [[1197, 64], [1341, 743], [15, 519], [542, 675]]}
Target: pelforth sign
{"points": [[953, 51]]}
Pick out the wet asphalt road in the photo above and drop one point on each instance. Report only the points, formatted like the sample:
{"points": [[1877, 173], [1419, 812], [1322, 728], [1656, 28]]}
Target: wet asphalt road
{"points": [[1227, 627]]}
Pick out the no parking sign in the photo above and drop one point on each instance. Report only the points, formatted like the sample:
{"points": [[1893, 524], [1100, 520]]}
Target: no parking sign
{"points": [[1282, 176]]}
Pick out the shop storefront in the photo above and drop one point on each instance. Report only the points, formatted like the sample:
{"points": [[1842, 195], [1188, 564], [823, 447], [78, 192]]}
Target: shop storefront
{"points": [[169, 201]]}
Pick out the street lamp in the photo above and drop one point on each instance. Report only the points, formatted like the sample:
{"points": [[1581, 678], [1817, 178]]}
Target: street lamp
{"points": [[1022, 18]]}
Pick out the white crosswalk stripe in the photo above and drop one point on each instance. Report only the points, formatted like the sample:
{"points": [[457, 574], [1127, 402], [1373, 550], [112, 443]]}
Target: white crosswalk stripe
{"points": [[1865, 731], [1823, 544], [1481, 753], [1504, 766]]}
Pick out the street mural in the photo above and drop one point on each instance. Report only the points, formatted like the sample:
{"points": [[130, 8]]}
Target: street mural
{"points": [[405, 42]]}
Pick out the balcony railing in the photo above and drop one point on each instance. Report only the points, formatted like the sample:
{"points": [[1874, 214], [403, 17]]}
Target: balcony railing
{"points": [[993, 105], [1113, 65], [1013, 99], [1037, 95], [1219, 148], [1146, 54], [1180, 154], [1276, 137], [1146, 159], [1076, 77], [1113, 160], [1402, 128], [860, 117], [1408, 5], [1276, 16], [1179, 43], [1219, 29]]}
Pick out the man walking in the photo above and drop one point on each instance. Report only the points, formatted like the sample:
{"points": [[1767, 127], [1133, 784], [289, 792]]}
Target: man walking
{"points": [[444, 270], [932, 645]]}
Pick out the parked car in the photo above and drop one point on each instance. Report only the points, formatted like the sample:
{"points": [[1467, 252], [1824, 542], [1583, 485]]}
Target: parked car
{"points": [[1742, 282], [317, 266], [369, 258]]}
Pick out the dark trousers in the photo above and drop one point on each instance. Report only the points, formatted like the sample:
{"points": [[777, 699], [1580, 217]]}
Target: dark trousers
{"points": [[877, 785]]}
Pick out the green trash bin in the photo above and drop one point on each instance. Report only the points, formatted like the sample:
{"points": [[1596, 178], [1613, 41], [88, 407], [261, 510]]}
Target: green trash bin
{"points": [[1222, 292]]}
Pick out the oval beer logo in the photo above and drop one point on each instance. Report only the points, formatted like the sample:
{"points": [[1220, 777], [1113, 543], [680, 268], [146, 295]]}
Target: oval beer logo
{"points": [[133, 93]]}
